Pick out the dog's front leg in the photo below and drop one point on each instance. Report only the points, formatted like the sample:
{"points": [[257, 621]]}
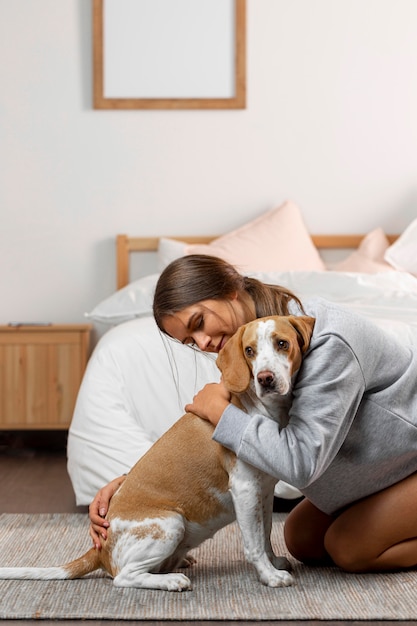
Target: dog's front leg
{"points": [[251, 504], [268, 485]]}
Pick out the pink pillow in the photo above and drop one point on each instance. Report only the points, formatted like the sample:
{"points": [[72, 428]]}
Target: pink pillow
{"points": [[277, 240], [369, 257]]}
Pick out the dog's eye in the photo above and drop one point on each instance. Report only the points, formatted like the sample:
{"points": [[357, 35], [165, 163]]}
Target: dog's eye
{"points": [[249, 352], [282, 344]]}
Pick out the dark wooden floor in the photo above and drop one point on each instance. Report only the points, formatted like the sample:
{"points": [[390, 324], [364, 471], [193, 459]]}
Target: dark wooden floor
{"points": [[34, 479]]}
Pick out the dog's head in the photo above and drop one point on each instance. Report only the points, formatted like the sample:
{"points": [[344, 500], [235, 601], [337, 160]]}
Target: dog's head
{"points": [[268, 350]]}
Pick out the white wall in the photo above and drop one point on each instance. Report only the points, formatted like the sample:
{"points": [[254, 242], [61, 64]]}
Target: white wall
{"points": [[331, 123]]}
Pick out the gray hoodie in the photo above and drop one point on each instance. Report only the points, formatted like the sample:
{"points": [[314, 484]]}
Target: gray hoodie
{"points": [[352, 427]]}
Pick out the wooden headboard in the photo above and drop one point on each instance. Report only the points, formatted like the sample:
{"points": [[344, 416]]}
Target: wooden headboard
{"points": [[125, 245]]}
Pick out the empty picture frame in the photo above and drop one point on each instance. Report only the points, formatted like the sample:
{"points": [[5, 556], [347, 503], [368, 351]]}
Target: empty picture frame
{"points": [[169, 54]]}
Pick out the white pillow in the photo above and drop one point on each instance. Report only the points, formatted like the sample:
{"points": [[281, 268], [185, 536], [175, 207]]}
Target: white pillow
{"points": [[275, 241], [369, 257], [403, 252], [169, 250], [134, 300]]}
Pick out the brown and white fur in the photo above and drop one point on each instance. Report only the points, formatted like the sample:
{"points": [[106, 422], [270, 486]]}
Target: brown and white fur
{"points": [[187, 486]]}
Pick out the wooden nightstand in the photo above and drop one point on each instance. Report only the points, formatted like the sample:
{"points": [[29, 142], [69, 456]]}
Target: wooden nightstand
{"points": [[41, 368]]}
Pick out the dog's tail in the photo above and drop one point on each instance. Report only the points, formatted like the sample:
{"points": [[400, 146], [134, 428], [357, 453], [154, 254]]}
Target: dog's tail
{"points": [[87, 563]]}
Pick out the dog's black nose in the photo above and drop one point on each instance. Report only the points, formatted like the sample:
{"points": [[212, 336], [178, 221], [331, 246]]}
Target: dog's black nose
{"points": [[266, 379]]}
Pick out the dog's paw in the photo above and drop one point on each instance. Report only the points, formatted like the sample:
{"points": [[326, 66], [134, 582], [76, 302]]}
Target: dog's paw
{"points": [[187, 561], [146, 580], [281, 562], [279, 578], [177, 582]]}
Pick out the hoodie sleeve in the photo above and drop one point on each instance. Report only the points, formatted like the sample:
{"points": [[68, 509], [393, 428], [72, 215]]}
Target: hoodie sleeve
{"points": [[326, 396]]}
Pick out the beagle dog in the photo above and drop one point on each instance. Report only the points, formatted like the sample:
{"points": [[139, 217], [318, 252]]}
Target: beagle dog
{"points": [[187, 486]]}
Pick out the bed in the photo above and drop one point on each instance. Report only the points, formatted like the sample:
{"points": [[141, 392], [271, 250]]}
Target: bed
{"points": [[137, 380]]}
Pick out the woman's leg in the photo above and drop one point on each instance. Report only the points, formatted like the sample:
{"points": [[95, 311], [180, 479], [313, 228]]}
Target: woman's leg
{"points": [[378, 533], [304, 531]]}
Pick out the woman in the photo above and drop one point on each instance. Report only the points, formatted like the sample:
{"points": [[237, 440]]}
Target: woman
{"points": [[351, 442]]}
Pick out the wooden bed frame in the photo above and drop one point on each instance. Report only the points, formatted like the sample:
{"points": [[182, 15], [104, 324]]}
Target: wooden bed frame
{"points": [[126, 245]]}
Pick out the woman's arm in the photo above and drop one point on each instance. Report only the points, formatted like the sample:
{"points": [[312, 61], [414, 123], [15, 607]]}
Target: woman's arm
{"points": [[327, 394]]}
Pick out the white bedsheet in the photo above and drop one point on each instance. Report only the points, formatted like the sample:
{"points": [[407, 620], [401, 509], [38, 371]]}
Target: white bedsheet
{"points": [[388, 298], [137, 381], [135, 387]]}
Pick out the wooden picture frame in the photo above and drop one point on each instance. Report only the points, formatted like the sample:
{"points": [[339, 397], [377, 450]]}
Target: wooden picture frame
{"points": [[212, 76]]}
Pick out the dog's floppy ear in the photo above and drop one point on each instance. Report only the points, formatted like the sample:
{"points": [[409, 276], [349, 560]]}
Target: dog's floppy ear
{"points": [[232, 364], [304, 326]]}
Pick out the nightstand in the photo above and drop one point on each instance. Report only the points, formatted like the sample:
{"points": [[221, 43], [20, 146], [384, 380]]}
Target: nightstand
{"points": [[41, 368]]}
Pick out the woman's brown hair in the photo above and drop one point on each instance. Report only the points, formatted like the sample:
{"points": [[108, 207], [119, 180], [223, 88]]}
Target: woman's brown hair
{"points": [[198, 277]]}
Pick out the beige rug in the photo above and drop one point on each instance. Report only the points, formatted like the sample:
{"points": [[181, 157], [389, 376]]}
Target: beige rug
{"points": [[224, 586]]}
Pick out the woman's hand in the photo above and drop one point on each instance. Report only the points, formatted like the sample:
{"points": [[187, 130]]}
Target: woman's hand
{"points": [[98, 510], [210, 402]]}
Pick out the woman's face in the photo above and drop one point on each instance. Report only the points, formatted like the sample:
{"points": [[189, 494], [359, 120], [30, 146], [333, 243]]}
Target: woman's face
{"points": [[209, 323]]}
